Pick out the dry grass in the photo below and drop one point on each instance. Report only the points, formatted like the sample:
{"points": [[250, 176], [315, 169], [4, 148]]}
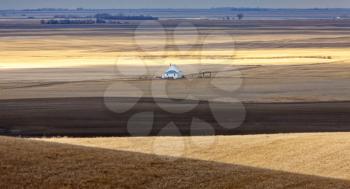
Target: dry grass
{"points": [[105, 163], [296, 64], [76, 47], [322, 82], [325, 154], [320, 73]]}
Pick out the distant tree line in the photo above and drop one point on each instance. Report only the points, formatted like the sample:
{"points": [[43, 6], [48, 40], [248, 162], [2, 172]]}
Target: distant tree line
{"points": [[70, 16], [67, 21], [47, 9], [104, 16], [97, 19]]}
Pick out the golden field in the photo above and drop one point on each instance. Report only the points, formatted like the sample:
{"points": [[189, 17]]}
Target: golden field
{"points": [[63, 48], [325, 154], [266, 65], [273, 64], [261, 161]]}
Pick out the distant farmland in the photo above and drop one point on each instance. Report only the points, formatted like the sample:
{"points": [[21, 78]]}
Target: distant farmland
{"points": [[216, 13]]}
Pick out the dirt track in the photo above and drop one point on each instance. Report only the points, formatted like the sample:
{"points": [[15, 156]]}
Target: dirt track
{"points": [[90, 117]]}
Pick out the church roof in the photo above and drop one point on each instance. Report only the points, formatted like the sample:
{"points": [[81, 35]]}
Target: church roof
{"points": [[173, 68]]}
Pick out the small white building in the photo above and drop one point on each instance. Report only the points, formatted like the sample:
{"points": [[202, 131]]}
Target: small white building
{"points": [[173, 72]]}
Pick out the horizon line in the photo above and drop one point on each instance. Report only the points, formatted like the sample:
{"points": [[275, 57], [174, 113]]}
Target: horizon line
{"points": [[247, 8]]}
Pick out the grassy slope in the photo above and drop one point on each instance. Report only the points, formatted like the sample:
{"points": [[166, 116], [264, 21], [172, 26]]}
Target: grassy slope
{"points": [[324, 154], [39, 164]]}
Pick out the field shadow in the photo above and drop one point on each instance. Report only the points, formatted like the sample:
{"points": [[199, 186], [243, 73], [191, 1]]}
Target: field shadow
{"points": [[37, 164]]}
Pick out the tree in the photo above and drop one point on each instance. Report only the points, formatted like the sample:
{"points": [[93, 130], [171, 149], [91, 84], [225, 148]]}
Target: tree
{"points": [[240, 16]]}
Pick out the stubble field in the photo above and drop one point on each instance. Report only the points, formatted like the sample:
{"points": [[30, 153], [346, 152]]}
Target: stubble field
{"points": [[292, 76]]}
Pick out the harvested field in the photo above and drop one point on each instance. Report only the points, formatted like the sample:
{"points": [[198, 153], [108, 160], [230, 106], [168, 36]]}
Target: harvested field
{"points": [[292, 78], [38, 164], [127, 163]]}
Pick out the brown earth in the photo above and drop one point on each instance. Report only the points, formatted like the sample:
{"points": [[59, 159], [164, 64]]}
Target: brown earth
{"points": [[91, 117]]}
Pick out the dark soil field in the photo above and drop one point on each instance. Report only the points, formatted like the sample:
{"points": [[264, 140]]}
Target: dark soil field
{"points": [[88, 117]]}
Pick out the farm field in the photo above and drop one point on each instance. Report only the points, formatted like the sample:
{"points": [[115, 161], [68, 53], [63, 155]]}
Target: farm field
{"points": [[290, 79], [276, 62], [262, 161], [293, 72]]}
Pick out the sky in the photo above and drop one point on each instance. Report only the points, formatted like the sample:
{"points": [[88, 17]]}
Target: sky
{"points": [[28, 4]]}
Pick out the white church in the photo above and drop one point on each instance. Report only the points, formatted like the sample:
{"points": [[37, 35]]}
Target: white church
{"points": [[173, 72]]}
